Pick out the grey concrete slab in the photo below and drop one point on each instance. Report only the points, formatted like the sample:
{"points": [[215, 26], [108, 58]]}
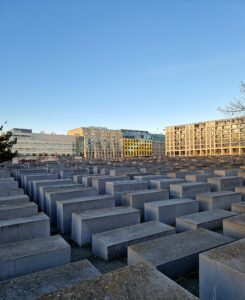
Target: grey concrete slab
{"points": [[166, 211], [180, 174], [226, 183], [222, 272], [100, 182], [238, 207], [127, 283], [32, 179], [117, 188], [227, 172], [19, 229], [9, 185], [210, 219], [198, 177], [38, 183], [33, 255], [148, 178], [137, 199], [188, 189], [241, 190], [8, 193], [16, 199], [177, 254], [58, 195], [43, 190], [86, 223], [65, 208], [21, 210], [162, 184], [35, 285], [87, 180], [235, 226], [114, 243], [217, 200]]}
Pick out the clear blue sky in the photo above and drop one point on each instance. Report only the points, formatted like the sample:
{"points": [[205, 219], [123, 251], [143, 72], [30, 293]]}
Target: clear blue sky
{"points": [[118, 63]]}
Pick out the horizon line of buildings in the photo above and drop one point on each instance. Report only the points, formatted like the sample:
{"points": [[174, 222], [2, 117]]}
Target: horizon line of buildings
{"points": [[218, 137]]}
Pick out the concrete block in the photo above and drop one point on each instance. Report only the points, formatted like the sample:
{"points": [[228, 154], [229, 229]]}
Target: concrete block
{"points": [[217, 200], [8, 193], [241, 190], [19, 229], [54, 196], [176, 254], [198, 177], [188, 189], [222, 272], [33, 255], [35, 285], [43, 190], [21, 210], [227, 172], [126, 283], [238, 207], [86, 223], [66, 208], [39, 183], [210, 219], [137, 199], [166, 211], [32, 179], [162, 184], [12, 200], [114, 243], [9, 185], [100, 182], [226, 183], [117, 188], [148, 178], [235, 226]]}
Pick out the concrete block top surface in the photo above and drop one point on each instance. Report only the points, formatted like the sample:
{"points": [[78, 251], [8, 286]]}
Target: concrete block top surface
{"points": [[38, 217], [140, 192], [31, 247], [124, 234], [170, 202], [71, 189], [191, 184], [34, 285], [172, 247], [169, 180], [206, 216], [218, 194], [85, 199], [131, 282], [123, 182], [14, 197], [96, 213], [231, 255], [214, 179]]}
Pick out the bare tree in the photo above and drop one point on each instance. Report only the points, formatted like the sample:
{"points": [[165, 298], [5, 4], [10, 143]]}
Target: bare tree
{"points": [[236, 107]]}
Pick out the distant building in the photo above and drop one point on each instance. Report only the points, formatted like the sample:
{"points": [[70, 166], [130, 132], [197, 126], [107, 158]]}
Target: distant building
{"points": [[158, 144], [219, 137], [108, 144], [29, 143]]}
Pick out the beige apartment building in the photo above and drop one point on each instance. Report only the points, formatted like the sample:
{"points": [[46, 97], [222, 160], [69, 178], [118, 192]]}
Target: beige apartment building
{"points": [[29, 143], [219, 137]]}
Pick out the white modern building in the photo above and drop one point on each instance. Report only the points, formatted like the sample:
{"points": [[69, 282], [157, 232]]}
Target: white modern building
{"points": [[29, 143]]}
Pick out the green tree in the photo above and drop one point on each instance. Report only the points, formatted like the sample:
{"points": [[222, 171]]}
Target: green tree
{"points": [[237, 106], [6, 144]]}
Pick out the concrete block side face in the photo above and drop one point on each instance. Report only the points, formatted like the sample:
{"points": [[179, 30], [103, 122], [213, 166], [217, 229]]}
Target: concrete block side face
{"points": [[217, 281], [233, 229], [151, 213], [76, 229], [24, 231], [65, 210], [32, 263], [101, 224], [120, 249], [18, 212]]}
